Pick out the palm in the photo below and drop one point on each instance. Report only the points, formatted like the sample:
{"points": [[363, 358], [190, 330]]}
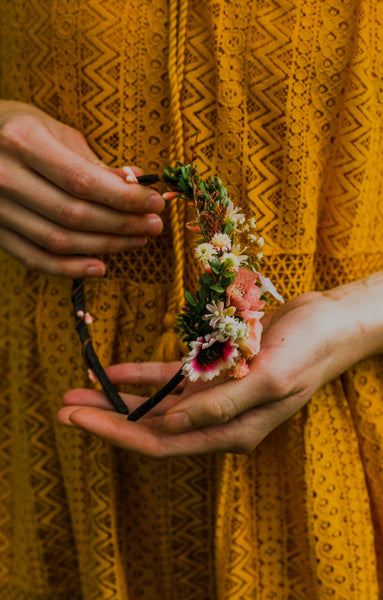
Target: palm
{"points": [[298, 354]]}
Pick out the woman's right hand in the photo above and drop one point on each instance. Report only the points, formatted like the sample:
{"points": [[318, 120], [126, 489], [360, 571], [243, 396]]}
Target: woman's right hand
{"points": [[58, 202]]}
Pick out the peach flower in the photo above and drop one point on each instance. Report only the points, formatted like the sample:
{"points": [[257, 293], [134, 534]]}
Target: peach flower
{"points": [[250, 345], [241, 369], [244, 294]]}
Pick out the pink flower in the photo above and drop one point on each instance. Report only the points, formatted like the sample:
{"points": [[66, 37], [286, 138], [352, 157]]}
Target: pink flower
{"points": [[209, 356], [250, 345], [241, 369], [244, 294]]}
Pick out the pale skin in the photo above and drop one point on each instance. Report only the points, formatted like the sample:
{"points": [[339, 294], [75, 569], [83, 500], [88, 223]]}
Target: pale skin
{"points": [[306, 343], [58, 202]]}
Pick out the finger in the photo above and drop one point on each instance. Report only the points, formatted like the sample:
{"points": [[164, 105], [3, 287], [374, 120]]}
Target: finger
{"points": [[138, 437], [61, 240], [121, 173], [73, 140], [152, 373], [40, 196], [241, 435], [36, 258], [224, 401], [34, 144], [98, 399], [64, 416]]}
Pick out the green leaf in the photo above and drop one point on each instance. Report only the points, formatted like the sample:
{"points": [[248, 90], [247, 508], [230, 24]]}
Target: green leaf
{"points": [[228, 263], [217, 288], [228, 228], [190, 299], [226, 282], [216, 270]]}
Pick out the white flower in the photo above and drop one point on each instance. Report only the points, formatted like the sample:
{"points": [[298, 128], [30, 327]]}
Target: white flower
{"points": [[243, 330], [205, 252], [237, 260], [233, 215], [209, 356], [257, 240], [217, 313], [234, 328], [221, 241], [268, 287]]}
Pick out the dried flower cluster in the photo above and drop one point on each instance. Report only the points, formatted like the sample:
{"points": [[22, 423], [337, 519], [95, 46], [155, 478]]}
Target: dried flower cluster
{"points": [[221, 324]]}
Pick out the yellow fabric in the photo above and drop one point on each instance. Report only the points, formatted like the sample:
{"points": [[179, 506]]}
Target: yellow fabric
{"points": [[287, 98]]}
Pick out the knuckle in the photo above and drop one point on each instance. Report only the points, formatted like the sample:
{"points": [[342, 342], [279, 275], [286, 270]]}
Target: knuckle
{"points": [[280, 385], [77, 182], [128, 225], [15, 131], [156, 450], [74, 216], [69, 134], [57, 241], [277, 383], [65, 269], [109, 245], [29, 260], [5, 182], [222, 409]]}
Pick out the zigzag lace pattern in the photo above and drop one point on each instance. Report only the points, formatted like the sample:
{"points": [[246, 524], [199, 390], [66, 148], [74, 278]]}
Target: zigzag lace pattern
{"points": [[287, 98]]}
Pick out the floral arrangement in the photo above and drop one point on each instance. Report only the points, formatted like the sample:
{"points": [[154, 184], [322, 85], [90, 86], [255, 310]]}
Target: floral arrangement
{"points": [[221, 323]]}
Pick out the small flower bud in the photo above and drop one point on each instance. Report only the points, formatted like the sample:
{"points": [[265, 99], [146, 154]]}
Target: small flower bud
{"points": [[169, 195], [92, 376], [88, 319]]}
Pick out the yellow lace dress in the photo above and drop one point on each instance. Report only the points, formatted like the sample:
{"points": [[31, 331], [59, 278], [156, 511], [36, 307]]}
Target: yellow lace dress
{"points": [[287, 98]]}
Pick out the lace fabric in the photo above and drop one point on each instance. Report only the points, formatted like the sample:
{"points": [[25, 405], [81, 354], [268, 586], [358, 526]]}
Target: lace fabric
{"points": [[287, 98]]}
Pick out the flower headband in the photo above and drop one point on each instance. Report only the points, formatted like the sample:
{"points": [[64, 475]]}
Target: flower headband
{"points": [[221, 323]]}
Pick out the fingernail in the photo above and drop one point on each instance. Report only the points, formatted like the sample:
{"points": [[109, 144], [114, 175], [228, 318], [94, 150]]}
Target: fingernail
{"points": [[154, 203], [95, 271], [135, 242], [169, 195], [154, 225], [177, 422], [131, 178]]}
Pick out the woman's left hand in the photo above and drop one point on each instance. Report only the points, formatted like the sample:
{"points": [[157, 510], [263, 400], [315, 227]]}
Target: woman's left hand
{"points": [[305, 344]]}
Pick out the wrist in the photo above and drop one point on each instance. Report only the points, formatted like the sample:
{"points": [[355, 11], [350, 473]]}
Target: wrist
{"points": [[360, 306]]}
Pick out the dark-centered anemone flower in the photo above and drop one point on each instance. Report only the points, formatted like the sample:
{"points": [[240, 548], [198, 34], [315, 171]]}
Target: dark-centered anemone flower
{"points": [[209, 356]]}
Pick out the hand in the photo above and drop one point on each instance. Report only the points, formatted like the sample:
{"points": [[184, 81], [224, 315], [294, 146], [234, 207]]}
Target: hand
{"points": [[58, 201], [305, 344]]}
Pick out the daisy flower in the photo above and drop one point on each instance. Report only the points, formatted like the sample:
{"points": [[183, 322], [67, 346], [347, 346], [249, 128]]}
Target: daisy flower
{"points": [[209, 356], [235, 258], [241, 369], [221, 241], [205, 252]]}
